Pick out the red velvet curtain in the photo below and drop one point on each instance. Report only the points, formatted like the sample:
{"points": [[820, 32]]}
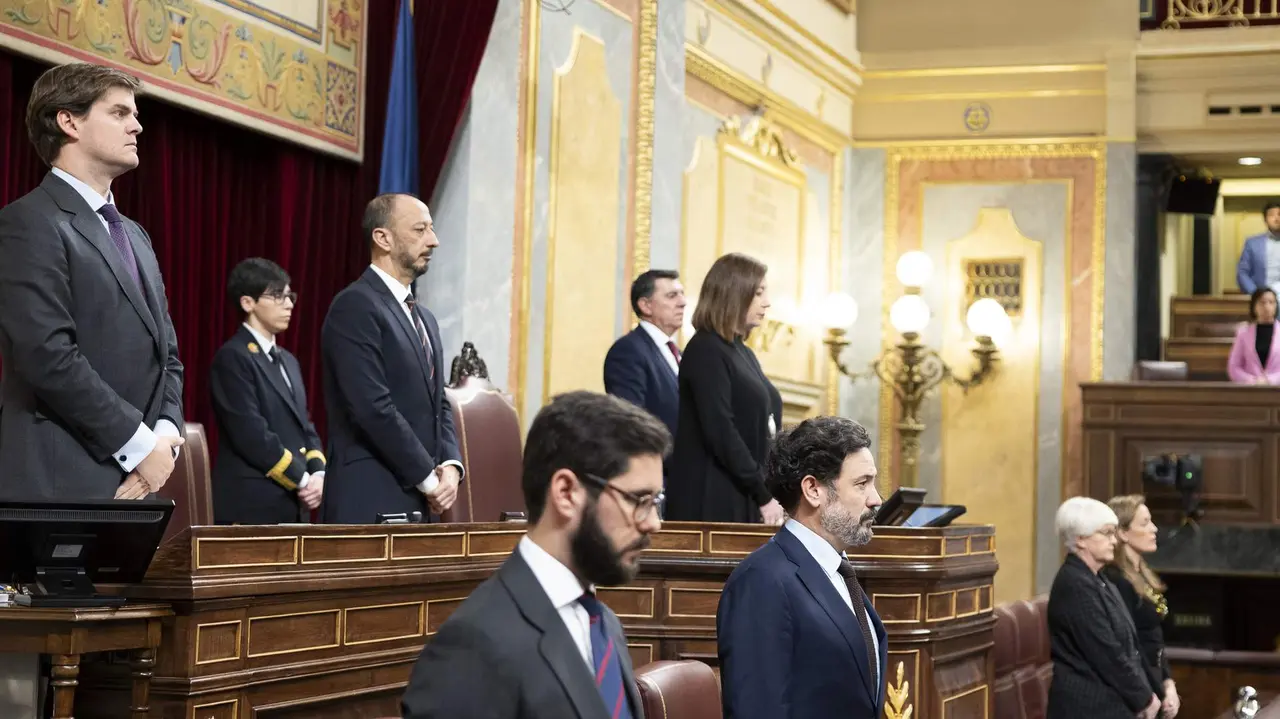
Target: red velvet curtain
{"points": [[211, 194]]}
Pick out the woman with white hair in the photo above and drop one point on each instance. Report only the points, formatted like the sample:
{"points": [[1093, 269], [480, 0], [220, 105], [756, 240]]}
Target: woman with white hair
{"points": [[1097, 670]]}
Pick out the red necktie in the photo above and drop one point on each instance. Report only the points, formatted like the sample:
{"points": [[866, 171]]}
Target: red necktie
{"points": [[675, 351]]}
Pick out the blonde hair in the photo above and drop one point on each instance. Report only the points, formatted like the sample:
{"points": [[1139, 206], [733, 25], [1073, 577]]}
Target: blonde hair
{"points": [[726, 295], [1141, 576]]}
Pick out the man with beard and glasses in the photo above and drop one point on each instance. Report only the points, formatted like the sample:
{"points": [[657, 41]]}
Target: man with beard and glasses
{"points": [[797, 635], [392, 443], [533, 642]]}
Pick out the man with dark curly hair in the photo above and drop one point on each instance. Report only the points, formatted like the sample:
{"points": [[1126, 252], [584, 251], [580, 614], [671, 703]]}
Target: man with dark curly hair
{"points": [[798, 637]]}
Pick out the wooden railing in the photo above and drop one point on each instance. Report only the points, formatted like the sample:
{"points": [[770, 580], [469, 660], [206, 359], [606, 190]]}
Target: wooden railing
{"points": [[1190, 14]]}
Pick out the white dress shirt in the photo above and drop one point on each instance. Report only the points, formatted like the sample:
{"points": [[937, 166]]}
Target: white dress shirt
{"points": [[661, 341], [401, 293], [564, 590], [144, 440], [829, 559]]}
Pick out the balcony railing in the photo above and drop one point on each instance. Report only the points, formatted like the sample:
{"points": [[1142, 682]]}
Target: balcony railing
{"points": [[1188, 14]]}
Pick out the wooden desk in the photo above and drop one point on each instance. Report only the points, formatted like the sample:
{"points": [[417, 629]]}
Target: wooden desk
{"points": [[1206, 315], [326, 621], [66, 634], [1206, 357]]}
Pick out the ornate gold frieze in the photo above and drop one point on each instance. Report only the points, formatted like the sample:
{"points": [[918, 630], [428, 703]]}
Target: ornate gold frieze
{"points": [[760, 135]]}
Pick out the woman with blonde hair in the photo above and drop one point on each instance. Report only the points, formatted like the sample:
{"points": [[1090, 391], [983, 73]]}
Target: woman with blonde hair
{"points": [[1142, 592], [729, 410]]}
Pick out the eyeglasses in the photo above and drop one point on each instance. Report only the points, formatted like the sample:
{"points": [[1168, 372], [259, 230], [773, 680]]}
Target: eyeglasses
{"points": [[281, 296], [644, 504]]}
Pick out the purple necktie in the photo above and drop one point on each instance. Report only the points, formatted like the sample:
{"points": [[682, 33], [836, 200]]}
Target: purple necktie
{"points": [[115, 225]]}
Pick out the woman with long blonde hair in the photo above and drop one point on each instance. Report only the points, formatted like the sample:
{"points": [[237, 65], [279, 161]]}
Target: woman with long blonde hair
{"points": [[1143, 592]]}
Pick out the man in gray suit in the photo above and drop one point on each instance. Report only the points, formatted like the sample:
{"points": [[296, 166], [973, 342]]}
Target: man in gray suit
{"points": [[533, 642], [91, 396]]}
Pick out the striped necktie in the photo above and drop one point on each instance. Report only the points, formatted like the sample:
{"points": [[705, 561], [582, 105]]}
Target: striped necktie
{"points": [[421, 328], [604, 654]]}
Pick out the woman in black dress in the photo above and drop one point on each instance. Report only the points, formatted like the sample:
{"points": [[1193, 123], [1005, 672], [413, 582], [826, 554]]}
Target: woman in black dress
{"points": [[729, 410], [1142, 592]]}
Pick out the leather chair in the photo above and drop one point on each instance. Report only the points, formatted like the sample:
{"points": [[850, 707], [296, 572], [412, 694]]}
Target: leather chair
{"points": [[686, 689], [1151, 371], [190, 484], [1023, 668], [489, 438]]}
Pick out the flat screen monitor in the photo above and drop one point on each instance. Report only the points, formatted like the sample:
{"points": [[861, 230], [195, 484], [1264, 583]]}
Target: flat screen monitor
{"points": [[899, 506], [934, 515], [60, 549]]}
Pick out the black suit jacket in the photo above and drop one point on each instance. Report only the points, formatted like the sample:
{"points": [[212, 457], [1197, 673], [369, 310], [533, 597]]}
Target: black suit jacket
{"points": [[506, 654], [1097, 670], [1147, 622], [390, 423], [789, 646], [636, 370], [267, 441], [87, 355], [722, 437]]}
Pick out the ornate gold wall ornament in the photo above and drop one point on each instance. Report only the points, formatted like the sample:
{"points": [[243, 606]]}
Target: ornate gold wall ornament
{"points": [[647, 80], [895, 697], [1207, 11], [998, 279], [761, 135]]}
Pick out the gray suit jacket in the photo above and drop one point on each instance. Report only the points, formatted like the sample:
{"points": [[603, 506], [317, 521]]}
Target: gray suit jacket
{"points": [[506, 654], [86, 356]]}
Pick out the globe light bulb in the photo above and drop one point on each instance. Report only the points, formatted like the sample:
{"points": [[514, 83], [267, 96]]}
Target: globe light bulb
{"points": [[909, 313], [914, 269], [987, 318], [837, 312]]}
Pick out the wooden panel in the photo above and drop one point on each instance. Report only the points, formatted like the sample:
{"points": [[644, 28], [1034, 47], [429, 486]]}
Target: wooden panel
{"points": [[355, 548], [970, 704], [217, 642], [383, 623], [294, 632], [628, 602], [898, 608], [1206, 357], [228, 709], [1234, 488], [425, 546], [692, 602], [238, 552], [1201, 316]]}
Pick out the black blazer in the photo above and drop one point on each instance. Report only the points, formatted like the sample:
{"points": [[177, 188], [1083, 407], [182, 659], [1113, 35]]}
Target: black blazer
{"points": [[390, 423], [788, 644], [722, 437], [505, 653], [1147, 621], [636, 370], [266, 439], [87, 355], [1097, 670]]}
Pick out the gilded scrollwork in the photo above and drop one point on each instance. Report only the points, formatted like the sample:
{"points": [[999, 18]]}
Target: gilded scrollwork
{"points": [[897, 698], [760, 135]]}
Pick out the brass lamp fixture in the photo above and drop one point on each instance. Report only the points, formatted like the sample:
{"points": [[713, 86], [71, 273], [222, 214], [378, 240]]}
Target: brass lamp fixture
{"points": [[911, 369]]}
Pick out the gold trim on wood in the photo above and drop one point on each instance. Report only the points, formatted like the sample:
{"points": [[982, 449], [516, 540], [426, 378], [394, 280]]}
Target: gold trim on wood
{"points": [[711, 541], [422, 623], [919, 610], [235, 708], [519, 532], [201, 540], [386, 548], [426, 625], [201, 627], [652, 602], [646, 645], [986, 705], [337, 633], [694, 532], [950, 615], [463, 535], [688, 590]]}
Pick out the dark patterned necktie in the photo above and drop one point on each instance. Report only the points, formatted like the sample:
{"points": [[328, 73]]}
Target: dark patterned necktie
{"points": [[115, 225], [604, 655], [860, 611], [274, 355], [675, 351], [412, 304]]}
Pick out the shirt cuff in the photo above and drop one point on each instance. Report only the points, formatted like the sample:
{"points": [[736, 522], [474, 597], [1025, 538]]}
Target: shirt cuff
{"points": [[462, 473], [306, 478], [137, 448], [165, 428]]}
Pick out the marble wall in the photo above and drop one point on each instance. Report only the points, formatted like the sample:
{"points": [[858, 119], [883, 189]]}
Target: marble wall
{"points": [[1119, 328], [669, 138], [861, 272]]}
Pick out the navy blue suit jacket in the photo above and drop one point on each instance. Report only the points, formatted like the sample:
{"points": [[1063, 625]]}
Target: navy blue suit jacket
{"points": [[390, 423], [789, 645], [636, 371]]}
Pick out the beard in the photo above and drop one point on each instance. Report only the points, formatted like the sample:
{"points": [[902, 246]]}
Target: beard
{"points": [[595, 557], [410, 263], [852, 531]]}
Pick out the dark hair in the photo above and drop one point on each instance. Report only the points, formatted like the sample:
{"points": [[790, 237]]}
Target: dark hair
{"points": [[727, 292], [1257, 295], [254, 278], [586, 433], [1272, 205], [646, 283], [377, 214], [73, 88], [816, 447]]}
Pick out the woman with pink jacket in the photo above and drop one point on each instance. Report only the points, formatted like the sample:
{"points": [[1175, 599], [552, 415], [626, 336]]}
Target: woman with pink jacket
{"points": [[1255, 356]]}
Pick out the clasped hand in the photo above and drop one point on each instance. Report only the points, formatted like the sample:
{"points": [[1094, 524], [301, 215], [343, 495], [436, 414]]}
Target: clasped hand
{"points": [[152, 472]]}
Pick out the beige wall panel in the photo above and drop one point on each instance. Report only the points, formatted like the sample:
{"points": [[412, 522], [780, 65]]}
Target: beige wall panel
{"points": [[1010, 117], [585, 202], [701, 223], [989, 436]]}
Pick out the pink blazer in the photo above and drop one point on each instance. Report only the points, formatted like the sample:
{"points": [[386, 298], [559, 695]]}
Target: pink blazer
{"points": [[1243, 365]]}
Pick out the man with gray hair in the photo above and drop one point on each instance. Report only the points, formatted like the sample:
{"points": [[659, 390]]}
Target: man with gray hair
{"points": [[1097, 669], [778, 655]]}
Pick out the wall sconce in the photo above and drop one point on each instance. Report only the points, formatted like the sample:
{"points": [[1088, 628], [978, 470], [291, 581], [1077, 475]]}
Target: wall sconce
{"points": [[910, 368]]}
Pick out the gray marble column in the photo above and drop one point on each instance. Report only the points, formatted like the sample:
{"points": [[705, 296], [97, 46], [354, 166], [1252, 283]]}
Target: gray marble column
{"points": [[1119, 323], [862, 263], [668, 131], [468, 287]]}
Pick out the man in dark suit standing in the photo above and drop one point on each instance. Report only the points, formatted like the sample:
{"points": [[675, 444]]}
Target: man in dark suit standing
{"points": [[797, 635], [532, 641], [643, 366], [391, 437], [269, 469], [91, 400]]}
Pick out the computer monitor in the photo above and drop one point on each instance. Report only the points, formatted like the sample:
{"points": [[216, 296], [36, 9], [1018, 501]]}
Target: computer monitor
{"points": [[900, 505], [934, 515], [60, 549]]}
